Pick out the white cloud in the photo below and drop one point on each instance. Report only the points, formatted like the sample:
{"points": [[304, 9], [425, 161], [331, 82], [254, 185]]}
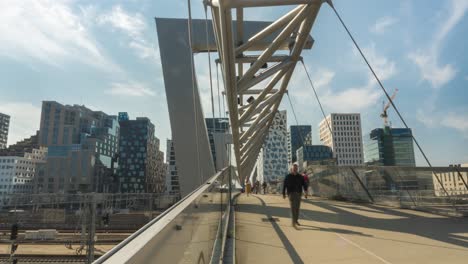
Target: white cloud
{"points": [[428, 60], [352, 99], [130, 89], [131, 24], [451, 119], [383, 67], [49, 32], [430, 69], [356, 99], [456, 121], [382, 24], [24, 120]]}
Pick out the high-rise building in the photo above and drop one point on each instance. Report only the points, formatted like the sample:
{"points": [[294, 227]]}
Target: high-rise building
{"points": [[346, 141], [272, 163], [297, 138], [140, 161], [4, 126], [172, 178], [389, 147], [313, 154], [82, 146], [213, 126]]}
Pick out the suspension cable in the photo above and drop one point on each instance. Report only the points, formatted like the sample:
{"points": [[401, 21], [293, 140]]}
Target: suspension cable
{"points": [[316, 97], [389, 98], [209, 66], [219, 93], [195, 110]]}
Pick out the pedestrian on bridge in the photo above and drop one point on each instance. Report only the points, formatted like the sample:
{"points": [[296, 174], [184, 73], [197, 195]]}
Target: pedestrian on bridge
{"points": [[264, 186], [293, 186], [248, 187]]}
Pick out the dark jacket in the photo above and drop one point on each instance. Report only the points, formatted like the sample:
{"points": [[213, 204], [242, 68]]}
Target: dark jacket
{"points": [[294, 183]]}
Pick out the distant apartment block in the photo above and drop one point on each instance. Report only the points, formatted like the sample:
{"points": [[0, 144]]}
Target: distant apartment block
{"points": [[272, 163], [313, 154], [346, 140], [141, 164], [82, 146], [17, 174], [172, 178], [389, 147], [298, 137], [4, 127], [452, 182]]}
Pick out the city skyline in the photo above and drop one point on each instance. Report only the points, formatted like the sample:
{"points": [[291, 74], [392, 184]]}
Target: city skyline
{"points": [[107, 58]]}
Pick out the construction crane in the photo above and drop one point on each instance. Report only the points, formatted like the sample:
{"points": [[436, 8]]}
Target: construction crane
{"points": [[385, 108]]}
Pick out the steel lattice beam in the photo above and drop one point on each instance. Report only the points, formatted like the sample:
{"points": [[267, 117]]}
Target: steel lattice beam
{"points": [[244, 74]]}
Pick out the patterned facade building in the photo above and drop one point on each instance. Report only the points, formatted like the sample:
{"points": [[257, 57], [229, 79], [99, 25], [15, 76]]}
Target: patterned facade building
{"points": [[141, 166], [273, 159], [4, 126], [172, 177]]}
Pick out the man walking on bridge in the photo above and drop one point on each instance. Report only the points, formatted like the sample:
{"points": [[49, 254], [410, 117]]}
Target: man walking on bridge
{"points": [[293, 185]]}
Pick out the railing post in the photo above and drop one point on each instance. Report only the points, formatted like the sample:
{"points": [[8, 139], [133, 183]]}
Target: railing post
{"points": [[362, 184]]}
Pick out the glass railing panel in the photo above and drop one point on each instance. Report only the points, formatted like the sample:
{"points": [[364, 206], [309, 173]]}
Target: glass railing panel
{"points": [[406, 187], [186, 233]]}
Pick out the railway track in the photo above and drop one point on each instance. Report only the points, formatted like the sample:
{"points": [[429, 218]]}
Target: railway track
{"points": [[50, 259]]}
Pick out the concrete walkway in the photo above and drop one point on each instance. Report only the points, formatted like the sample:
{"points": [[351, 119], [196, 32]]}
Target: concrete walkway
{"points": [[337, 232]]}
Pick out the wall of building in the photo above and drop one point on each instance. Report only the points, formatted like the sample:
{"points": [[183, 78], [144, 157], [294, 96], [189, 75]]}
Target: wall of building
{"points": [[172, 178], [346, 140], [311, 154], [141, 164], [451, 181], [4, 127], [82, 144], [273, 162], [17, 174], [389, 147], [298, 137]]}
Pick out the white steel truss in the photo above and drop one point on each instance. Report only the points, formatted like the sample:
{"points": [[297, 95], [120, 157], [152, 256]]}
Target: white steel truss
{"points": [[254, 88]]}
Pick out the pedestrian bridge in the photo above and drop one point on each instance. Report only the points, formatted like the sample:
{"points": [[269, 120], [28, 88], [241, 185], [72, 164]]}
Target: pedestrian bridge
{"points": [[204, 228], [358, 214]]}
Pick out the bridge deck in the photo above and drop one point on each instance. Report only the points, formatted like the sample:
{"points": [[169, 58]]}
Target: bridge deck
{"points": [[338, 232]]}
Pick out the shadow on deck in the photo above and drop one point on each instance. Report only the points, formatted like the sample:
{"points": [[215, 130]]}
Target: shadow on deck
{"points": [[338, 232]]}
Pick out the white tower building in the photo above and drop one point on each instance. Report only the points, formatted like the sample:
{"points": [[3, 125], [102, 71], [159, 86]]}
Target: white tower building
{"points": [[346, 141]]}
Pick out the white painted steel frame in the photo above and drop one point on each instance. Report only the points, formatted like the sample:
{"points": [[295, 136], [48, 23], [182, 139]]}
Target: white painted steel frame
{"points": [[250, 121]]}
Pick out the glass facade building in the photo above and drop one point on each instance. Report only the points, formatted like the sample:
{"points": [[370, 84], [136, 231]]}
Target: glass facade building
{"points": [[83, 145], [216, 125], [297, 137], [389, 147]]}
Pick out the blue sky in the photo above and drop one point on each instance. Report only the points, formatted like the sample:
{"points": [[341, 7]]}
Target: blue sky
{"points": [[104, 54]]}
